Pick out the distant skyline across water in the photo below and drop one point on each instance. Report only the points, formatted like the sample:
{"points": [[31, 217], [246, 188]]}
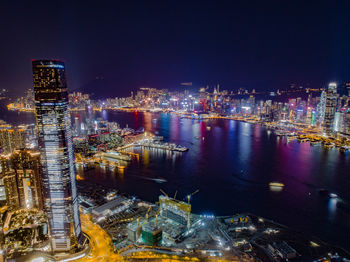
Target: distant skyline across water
{"points": [[232, 166]]}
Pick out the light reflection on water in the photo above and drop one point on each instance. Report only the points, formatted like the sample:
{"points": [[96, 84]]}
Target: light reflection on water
{"points": [[232, 167], [332, 207]]}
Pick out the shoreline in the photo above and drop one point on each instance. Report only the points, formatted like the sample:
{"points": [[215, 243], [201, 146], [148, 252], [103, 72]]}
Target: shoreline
{"points": [[298, 239]]}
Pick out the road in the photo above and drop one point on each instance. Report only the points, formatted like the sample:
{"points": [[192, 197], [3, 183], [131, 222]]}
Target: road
{"points": [[101, 243], [102, 248]]}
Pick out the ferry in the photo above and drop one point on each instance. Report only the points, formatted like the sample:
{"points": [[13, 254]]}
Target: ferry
{"points": [[181, 148], [276, 184]]}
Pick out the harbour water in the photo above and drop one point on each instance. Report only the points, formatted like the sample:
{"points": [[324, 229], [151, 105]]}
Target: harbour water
{"points": [[232, 164]]}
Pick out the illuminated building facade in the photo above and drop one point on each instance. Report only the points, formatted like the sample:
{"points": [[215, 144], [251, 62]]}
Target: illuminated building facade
{"points": [[22, 179], [330, 108], [56, 148], [11, 139]]}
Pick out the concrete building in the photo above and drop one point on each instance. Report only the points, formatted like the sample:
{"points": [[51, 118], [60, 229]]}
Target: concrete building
{"points": [[151, 234]]}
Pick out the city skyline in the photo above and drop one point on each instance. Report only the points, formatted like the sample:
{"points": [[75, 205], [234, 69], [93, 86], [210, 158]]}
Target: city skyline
{"points": [[175, 131], [320, 117]]}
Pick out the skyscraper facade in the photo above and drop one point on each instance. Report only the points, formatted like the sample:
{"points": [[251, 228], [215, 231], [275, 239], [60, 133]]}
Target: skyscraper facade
{"points": [[56, 148], [321, 107], [330, 109], [21, 176]]}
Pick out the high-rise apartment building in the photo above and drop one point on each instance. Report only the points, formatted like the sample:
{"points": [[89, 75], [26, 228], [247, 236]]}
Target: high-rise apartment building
{"points": [[11, 139], [21, 176], [56, 149]]}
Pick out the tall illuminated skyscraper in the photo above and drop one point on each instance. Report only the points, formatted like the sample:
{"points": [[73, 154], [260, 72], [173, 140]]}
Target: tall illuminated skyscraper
{"points": [[56, 150], [330, 108]]}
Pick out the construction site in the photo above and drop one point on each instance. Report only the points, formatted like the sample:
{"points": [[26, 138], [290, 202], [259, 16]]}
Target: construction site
{"points": [[170, 228]]}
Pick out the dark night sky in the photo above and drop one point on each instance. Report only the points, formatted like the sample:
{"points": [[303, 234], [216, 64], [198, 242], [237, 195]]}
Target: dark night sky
{"points": [[254, 44]]}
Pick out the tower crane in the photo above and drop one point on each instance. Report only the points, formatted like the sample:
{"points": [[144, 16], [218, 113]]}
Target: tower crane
{"points": [[148, 212], [190, 195], [161, 190]]}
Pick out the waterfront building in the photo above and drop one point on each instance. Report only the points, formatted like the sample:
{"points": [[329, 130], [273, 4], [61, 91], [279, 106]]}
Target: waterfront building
{"points": [[22, 179], [330, 108], [11, 139], [56, 148]]}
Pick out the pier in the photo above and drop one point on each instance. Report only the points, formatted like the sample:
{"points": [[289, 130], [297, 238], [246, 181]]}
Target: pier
{"points": [[155, 144]]}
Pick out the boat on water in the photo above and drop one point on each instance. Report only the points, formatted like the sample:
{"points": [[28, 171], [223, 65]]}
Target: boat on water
{"points": [[159, 180], [181, 148], [314, 142], [276, 184], [326, 193], [329, 145]]}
